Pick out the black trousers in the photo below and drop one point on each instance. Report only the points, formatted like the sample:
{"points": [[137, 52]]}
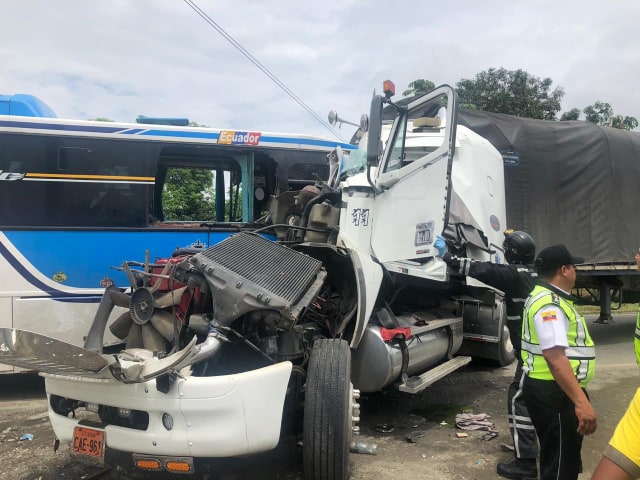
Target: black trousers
{"points": [[523, 433], [554, 417]]}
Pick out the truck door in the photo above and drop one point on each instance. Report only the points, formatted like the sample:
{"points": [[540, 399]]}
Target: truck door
{"points": [[413, 178]]}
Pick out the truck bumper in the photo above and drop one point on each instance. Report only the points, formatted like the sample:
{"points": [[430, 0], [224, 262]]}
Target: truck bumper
{"points": [[221, 416]]}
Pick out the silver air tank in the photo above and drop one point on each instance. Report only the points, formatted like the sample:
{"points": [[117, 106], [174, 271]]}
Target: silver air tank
{"points": [[435, 337]]}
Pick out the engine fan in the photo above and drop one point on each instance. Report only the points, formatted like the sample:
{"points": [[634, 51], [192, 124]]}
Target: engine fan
{"points": [[149, 322]]}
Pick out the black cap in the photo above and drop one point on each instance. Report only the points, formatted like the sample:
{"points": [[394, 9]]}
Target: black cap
{"points": [[552, 258]]}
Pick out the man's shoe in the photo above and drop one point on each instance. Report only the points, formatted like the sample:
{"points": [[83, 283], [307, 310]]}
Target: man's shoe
{"points": [[519, 469]]}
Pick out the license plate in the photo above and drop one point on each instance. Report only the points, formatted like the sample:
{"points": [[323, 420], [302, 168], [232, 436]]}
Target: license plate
{"points": [[89, 442]]}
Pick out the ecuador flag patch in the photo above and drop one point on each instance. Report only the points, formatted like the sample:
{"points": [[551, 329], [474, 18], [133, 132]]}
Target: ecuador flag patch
{"points": [[549, 316]]}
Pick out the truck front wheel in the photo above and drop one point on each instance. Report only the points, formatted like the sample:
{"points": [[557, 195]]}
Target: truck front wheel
{"points": [[328, 411]]}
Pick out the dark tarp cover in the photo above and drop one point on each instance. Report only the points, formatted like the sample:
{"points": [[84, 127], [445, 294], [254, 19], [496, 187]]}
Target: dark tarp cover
{"points": [[568, 182]]}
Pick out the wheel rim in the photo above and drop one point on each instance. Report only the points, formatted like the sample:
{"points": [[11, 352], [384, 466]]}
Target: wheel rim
{"points": [[354, 408]]}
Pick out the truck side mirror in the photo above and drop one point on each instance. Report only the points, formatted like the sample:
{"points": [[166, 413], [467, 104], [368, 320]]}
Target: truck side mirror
{"points": [[374, 144]]}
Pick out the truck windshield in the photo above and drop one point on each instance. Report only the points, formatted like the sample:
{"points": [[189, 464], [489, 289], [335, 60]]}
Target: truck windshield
{"points": [[354, 162]]}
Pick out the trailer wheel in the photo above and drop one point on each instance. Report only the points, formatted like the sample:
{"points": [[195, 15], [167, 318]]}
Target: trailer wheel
{"points": [[328, 411]]}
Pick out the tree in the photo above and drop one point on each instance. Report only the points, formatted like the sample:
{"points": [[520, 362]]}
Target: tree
{"points": [[419, 87], [601, 113], [624, 123], [514, 92], [101, 119], [189, 195], [573, 114]]}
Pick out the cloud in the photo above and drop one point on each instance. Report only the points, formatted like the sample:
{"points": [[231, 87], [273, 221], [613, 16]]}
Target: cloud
{"points": [[122, 58]]}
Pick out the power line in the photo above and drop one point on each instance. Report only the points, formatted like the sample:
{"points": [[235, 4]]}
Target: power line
{"points": [[257, 63]]}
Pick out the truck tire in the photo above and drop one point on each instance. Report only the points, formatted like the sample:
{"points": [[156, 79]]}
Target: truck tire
{"points": [[502, 353], [327, 425], [505, 354]]}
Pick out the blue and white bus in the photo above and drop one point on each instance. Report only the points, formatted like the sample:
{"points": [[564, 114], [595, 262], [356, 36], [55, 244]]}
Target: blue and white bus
{"points": [[77, 198]]}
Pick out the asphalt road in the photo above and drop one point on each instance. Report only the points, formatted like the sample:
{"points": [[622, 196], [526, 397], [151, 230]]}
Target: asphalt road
{"points": [[388, 419]]}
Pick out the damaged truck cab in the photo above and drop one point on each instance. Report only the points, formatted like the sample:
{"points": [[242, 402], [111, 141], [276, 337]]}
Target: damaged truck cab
{"points": [[220, 343]]}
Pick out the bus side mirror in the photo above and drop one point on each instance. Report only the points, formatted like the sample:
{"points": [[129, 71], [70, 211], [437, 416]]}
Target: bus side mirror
{"points": [[374, 143]]}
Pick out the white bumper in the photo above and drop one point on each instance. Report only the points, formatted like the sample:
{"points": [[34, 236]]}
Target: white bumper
{"points": [[221, 416]]}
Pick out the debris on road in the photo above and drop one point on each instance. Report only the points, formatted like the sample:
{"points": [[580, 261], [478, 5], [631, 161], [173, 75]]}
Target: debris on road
{"points": [[383, 428], [413, 436], [489, 436], [478, 421], [366, 448]]}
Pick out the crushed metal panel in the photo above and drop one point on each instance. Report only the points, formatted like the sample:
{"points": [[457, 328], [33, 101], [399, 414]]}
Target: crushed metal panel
{"points": [[33, 351]]}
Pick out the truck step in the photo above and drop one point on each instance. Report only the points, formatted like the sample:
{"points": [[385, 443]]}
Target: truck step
{"points": [[419, 383]]}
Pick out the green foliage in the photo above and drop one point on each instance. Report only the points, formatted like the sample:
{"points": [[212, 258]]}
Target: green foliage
{"points": [[419, 87], [601, 113], [624, 123], [188, 194], [514, 92], [233, 207], [573, 114], [101, 119]]}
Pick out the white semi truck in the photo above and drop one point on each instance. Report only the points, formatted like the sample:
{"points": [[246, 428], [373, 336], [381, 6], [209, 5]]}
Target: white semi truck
{"points": [[341, 291]]}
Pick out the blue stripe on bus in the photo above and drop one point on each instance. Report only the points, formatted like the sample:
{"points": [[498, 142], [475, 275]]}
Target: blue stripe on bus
{"points": [[168, 133], [132, 131], [77, 298], [171, 133], [307, 141]]}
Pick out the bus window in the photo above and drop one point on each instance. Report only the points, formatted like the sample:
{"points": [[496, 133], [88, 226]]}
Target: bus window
{"points": [[302, 174], [55, 183], [203, 194]]}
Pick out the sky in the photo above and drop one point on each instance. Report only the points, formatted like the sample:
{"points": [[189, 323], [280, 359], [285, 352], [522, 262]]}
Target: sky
{"points": [[123, 58]]}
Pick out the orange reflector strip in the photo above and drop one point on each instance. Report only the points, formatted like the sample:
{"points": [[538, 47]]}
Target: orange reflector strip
{"points": [[174, 466], [148, 464]]}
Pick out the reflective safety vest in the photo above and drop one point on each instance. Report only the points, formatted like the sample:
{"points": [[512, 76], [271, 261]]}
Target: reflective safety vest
{"points": [[581, 351], [637, 339]]}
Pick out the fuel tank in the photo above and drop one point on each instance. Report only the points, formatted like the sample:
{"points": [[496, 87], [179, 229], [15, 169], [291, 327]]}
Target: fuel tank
{"points": [[435, 337]]}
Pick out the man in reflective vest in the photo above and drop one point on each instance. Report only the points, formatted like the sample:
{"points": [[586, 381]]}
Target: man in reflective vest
{"points": [[558, 358], [516, 280], [621, 457]]}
